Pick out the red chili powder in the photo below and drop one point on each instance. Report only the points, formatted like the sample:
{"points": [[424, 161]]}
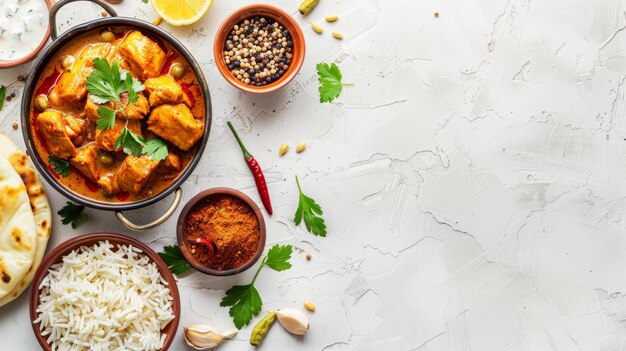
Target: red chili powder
{"points": [[230, 224]]}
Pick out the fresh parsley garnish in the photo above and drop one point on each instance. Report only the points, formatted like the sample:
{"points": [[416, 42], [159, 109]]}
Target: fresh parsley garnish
{"points": [[72, 213], [107, 118], [244, 300], [309, 210], [330, 81], [131, 143], [155, 148], [61, 166], [106, 83], [175, 260], [3, 92]]}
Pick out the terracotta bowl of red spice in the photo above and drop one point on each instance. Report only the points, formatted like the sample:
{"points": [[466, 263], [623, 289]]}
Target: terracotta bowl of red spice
{"points": [[221, 231]]}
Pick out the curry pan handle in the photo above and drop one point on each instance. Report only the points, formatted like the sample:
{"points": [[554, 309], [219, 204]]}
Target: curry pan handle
{"points": [[55, 8], [136, 227]]}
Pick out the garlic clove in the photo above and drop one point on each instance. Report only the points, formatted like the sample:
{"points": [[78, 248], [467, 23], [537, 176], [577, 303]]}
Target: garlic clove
{"points": [[202, 337], [293, 321]]}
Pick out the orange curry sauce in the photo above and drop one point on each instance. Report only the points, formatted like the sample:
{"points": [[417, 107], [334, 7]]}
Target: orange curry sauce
{"points": [[78, 182]]}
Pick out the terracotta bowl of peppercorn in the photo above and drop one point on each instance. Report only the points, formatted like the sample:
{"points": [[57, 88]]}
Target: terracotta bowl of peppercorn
{"points": [[221, 231], [259, 48]]}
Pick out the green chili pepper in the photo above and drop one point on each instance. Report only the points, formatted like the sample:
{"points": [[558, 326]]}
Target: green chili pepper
{"points": [[261, 329]]}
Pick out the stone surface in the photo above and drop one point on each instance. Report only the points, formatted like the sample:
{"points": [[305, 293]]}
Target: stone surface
{"points": [[472, 179]]}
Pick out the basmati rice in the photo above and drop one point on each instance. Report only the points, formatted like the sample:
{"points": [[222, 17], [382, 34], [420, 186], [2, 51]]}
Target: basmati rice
{"points": [[104, 298]]}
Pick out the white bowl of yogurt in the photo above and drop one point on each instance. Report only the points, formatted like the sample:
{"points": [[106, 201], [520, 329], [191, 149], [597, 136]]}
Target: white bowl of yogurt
{"points": [[24, 30]]}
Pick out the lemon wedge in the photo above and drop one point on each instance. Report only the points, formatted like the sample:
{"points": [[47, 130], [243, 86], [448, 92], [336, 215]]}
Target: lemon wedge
{"points": [[181, 12]]}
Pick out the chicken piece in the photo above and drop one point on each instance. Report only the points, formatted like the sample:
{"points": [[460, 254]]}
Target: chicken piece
{"points": [[86, 161], [105, 139], [73, 126], [109, 183], [176, 124], [135, 172], [52, 127], [72, 85], [171, 166], [165, 90], [136, 110], [144, 55]]}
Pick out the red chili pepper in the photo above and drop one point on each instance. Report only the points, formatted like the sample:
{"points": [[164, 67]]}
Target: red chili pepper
{"points": [[257, 172], [208, 243]]}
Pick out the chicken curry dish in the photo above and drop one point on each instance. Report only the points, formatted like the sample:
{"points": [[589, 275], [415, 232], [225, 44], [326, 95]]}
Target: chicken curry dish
{"points": [[117, 115]]}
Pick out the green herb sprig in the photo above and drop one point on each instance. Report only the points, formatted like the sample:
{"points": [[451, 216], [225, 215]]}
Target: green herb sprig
{"points": [[106, 83], [329, 77], [61, 166], [244, 300], [3, 93], [73, 214], [175, 260], [311, 212]]}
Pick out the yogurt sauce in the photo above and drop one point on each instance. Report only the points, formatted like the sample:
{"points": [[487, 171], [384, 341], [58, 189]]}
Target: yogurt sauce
{"points": [[23, 24]]}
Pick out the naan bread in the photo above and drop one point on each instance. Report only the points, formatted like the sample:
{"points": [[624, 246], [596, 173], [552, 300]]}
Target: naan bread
{"points": [[39, 205], [18, 239]]}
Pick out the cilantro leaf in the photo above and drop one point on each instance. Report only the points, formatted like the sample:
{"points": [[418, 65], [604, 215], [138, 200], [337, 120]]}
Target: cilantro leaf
{"points": [[131, 143], [105, 83], [107, 118], [175, 260], [278, 257], [156, 149], [329, 78], [3, 92], [72, 213], [244, 300], [132, 94], [308, 209], [61, 166]]}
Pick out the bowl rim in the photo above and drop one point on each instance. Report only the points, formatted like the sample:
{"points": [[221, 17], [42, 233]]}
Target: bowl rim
{"points": [[40, 64], [279, 16], [180, 229], [32, 54], [90, 239]]}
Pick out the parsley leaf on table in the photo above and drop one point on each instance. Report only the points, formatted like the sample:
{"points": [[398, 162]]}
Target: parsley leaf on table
{"points": [[155, 148], [61, 166], [130, 142], [72, 213], [244, 300], [309, 210], [3, 92], [329, 77], [175, 260]]}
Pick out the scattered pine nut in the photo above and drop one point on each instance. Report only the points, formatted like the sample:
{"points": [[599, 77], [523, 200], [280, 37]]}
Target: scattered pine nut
{"points": [[157, 21], [283, 149], [104, 13], [308, 256], [300, 147], [331, 18], [338, 35], [316, 28], [309, 306], [15, 125], [436, 14]]}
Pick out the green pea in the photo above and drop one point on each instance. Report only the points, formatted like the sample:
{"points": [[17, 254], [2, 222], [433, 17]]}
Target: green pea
{"points": [[261, 329], [106, 159], [67, 62], [177, 70], [107, 35], [41, 102]]}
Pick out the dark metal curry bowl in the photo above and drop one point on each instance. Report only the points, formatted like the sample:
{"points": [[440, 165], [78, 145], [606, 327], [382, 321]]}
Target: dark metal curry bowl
{"points": [[29, 89]]}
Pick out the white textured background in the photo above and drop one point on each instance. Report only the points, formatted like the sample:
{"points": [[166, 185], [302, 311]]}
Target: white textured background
{"points": [[472, 180]]}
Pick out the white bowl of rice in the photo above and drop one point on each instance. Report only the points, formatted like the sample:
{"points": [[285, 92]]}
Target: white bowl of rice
{"points": [[104, 291]]}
